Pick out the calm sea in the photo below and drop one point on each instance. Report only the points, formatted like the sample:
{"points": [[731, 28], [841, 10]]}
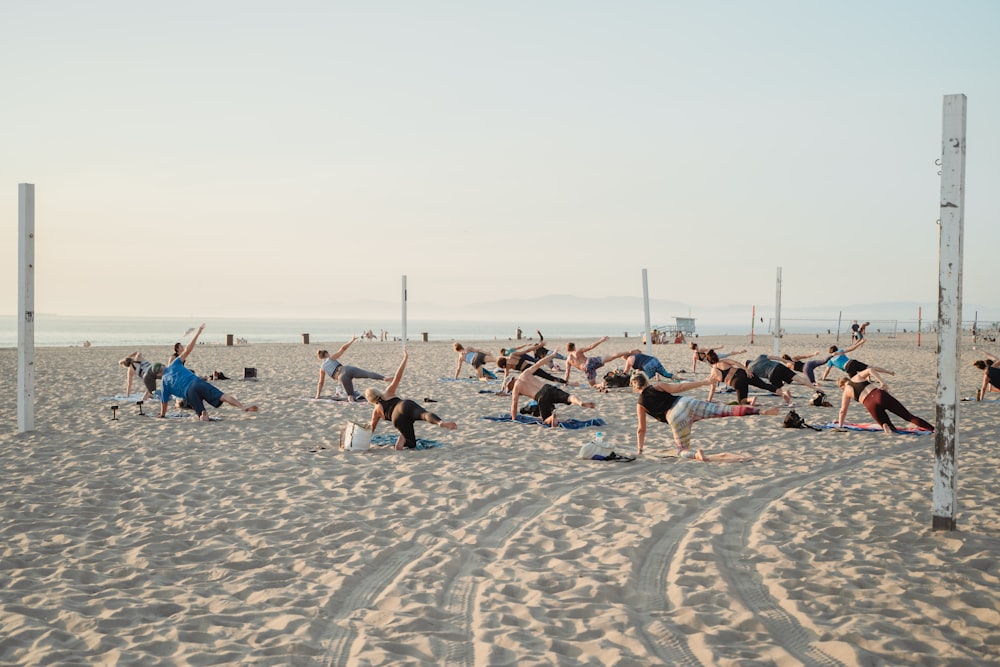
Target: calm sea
{"points": [[65, 331]]}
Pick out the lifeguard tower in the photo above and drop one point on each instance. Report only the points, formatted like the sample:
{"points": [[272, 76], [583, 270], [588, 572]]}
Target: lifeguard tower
{"points": [[675, 333]]}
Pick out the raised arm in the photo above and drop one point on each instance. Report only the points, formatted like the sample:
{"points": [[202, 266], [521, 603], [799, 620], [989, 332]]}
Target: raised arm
{"points": [[394, 384], [530, 370], [680, 387], [190, 346], [861, 341], [595, 344], [343, 348]]}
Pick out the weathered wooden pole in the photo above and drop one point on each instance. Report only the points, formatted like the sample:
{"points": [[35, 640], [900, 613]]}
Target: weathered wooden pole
{"points": [[753, 321], [645, 303], [26, 308], [949, 312], [777, 316]]}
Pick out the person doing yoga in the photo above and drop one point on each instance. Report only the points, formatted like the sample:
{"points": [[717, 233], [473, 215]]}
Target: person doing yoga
{"points": [[329, 364], [661, 402], [876, 399], [402, 413]]}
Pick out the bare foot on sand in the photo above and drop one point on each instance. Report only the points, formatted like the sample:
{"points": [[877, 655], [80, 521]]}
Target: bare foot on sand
{"points": [[252, 408], [449, 425]]}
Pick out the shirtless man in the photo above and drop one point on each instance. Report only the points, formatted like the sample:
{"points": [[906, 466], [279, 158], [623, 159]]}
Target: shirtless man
{"points": [[547, 395], [579, 360], [519, 358]]}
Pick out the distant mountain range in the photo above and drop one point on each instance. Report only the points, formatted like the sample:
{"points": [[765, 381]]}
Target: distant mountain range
{"points": [[629, 309]]}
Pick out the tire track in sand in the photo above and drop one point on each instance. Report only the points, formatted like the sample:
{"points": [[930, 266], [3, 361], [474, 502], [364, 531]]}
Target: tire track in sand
{"points": [[494, 522], [745, 506]]}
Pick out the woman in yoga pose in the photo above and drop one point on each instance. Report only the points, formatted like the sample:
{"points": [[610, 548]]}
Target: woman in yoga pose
{"points": [[876, 399], [660, 401], [991, 375], [329, 365], [402, 413], [149, 372], [735, 375], [476, 358]]}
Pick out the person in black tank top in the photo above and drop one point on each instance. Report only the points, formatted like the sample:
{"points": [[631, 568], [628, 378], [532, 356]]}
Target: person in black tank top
{"points": [[662, 403], [403, 413], [991, 375]]}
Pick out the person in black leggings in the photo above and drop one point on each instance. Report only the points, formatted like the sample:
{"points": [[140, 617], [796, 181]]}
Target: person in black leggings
{"points": [[402, 413]]}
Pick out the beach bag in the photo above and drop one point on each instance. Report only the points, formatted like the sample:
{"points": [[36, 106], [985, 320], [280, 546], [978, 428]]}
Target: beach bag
{"points": [[355, 436], [596, 451], [793, 420], [616, 378]]}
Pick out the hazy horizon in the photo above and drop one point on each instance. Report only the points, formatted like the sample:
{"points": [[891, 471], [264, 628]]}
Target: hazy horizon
{"points": [[267, 159]]}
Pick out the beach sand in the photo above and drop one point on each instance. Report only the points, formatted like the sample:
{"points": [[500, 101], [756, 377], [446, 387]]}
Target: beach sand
{"points": [[255, 540]]}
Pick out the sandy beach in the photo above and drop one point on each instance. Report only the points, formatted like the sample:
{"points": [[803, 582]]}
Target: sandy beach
{"points": [[255, 540]]}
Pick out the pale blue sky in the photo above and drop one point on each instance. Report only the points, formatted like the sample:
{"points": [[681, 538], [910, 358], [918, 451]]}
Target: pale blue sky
{"points": [[256, 159]]}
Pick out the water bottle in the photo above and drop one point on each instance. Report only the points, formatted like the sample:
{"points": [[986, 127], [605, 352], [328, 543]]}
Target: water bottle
{"points": [[599, 438]]}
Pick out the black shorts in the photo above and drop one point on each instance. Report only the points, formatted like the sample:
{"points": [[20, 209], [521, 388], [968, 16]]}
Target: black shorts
{"points": [[782, 375], [853, 367], [547, 398]]}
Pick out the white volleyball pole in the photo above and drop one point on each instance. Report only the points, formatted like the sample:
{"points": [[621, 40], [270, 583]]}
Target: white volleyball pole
{"points": [[949, 312], [404, 312], [645, 301], [26, 308], [777, 316]]}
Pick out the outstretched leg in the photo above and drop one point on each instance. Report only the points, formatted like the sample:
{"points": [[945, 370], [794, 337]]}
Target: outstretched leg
{"points": [[226, 398]]}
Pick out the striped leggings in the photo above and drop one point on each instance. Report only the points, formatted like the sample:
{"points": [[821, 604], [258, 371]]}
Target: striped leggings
{"points": [[686, 411]]}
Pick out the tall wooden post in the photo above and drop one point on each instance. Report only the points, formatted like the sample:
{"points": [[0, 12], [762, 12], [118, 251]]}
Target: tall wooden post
{"points": [[949, 312], [777, 316], [26, 308], [645, 303]]}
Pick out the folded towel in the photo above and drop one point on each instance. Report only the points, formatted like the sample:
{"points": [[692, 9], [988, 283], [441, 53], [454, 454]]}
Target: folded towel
{"points": [[911, 430], [389, 439], [563, 423]]}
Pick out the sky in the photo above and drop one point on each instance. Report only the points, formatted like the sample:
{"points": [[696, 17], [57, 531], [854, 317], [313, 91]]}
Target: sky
{"points": [[262, 159]]}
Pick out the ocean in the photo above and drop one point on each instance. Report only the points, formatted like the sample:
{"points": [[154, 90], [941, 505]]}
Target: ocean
{"points": [[68, 331]]}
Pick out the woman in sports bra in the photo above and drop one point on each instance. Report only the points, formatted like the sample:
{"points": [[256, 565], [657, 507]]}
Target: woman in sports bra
{"points": [[149, 372], [476, 358], [329, 364], [403, 413], [876, 399]]}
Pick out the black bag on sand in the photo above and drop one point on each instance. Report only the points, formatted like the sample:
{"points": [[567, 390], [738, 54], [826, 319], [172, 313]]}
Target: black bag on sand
{"points": [[617, 378], [794, 420]]}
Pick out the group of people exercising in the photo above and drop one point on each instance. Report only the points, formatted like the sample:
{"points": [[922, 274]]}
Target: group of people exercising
{"points": [[528, 371]]}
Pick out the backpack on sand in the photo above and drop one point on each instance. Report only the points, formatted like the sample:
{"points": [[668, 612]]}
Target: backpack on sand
{"points": [[617, 378], [794, 420]]}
